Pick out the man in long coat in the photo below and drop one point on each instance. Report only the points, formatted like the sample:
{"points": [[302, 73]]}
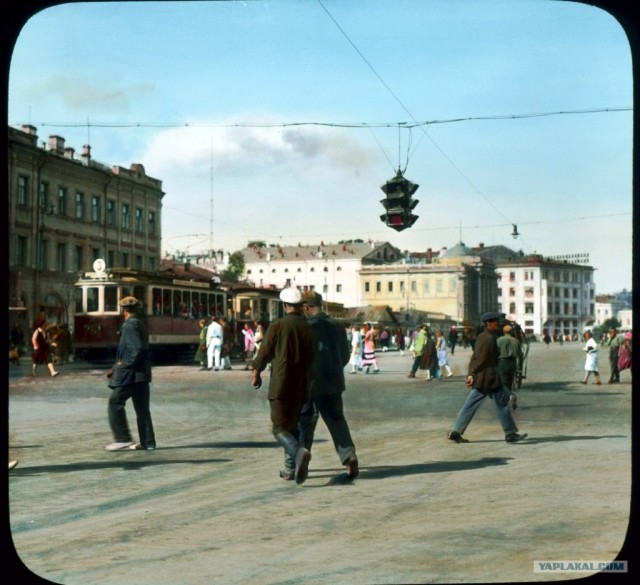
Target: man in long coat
{"points": [[289, 345], [129, 378]]}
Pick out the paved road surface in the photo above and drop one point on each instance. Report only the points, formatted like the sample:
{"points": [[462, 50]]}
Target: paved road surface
{"points": [[208, 506]]}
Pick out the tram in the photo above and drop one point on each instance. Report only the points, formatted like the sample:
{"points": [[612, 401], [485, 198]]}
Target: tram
{"points": [[171, 308]]}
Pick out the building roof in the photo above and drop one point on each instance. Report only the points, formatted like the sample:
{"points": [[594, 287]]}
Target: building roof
{"points": [[349, 250]]}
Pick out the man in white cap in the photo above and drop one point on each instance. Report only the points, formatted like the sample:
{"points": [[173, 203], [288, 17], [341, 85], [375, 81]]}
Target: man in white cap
{"points": [[129, 378], [289, 345], [484, 380]]}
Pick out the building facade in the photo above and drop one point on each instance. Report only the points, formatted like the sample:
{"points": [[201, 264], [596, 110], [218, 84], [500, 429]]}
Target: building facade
{"points": [[64, 213], [454, 282], [330, 269], [547, 296]]}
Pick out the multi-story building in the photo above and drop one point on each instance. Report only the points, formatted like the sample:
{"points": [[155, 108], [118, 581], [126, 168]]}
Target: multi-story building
{"points": [[454, 282], [330, 269], [64, 213]]}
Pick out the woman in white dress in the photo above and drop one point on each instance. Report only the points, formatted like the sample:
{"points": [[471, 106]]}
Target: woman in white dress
{"points": [[591, 363]]}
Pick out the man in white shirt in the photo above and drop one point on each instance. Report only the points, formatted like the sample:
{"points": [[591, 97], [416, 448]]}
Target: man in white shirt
{"points": [[214, 343]]}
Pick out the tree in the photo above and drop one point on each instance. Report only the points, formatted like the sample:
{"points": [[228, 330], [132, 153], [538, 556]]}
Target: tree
{"points": [[607, 324], [235, 269]]}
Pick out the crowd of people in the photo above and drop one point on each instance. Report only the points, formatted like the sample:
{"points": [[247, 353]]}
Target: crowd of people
{"points": [[307, 353]]}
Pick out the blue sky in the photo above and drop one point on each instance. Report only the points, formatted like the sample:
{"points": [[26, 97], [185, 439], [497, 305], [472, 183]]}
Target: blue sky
{"points": [[279, 120]]}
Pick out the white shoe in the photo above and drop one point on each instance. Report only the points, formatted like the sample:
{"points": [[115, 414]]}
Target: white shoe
{"points": [[119, 446]]}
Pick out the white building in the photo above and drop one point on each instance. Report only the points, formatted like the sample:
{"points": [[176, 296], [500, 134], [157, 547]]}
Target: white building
{"points": [[331, 269], [542, 294]]}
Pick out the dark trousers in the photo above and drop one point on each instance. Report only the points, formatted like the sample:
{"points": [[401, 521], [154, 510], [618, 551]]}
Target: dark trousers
{"points": [[507, 371], [613, 362], [331, 409], [140, 396]]}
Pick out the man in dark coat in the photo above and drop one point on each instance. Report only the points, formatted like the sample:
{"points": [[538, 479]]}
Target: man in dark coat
{"points": [[484, 380], [129, 378], [326, 387], [289, 345]]}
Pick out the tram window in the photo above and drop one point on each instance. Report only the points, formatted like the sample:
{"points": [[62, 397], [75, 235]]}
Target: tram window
{"points": [[166, 302], [93, 299], [110, 298], [245, 308], [156, 295], [78, 300], [203, 305], [139, 292]]}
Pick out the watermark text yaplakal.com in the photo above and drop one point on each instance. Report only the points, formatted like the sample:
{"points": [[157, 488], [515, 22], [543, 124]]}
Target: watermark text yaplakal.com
{"points": [[580, 566]]}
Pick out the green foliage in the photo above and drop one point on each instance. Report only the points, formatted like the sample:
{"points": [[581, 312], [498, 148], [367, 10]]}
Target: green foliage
{"points": [[235, 269]]}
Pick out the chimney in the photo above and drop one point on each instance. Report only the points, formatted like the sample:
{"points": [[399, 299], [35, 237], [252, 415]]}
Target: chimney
{"points": [[56, 144], [30, 130], [481, 245], [86, 153], [69, 152]]}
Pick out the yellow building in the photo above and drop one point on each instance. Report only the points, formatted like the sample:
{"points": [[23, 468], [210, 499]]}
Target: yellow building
{"points": [[456, 282]]}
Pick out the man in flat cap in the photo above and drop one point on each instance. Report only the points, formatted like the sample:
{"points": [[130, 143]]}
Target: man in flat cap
{"points": [[129, 378], [289, 345], [484, 380], [326, 388]]}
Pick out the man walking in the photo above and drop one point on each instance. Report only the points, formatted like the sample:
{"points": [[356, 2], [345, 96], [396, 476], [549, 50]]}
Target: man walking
{"points": [[326, 387], [289, 345], [214, 344], [484, 380], [129, 378], [418, 346], [613, 343]]}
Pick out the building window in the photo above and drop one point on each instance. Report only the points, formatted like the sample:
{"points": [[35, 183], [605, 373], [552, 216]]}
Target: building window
{"points": [[338, 288], [62, 201], [77, 258], [528, 308], [378, 286], [512, 308], [414, 286], [367, 288], [21, 251], [339, 268], [152, 262], [512, 276], [43, 255], [44, 196], [95, 209], [125, 225], [23, 189], [111, 214], [439, 285], [312, 269], [95, 254], [512, 292], [325, 288], [111, 258], [152, 223], [390, 286], [139, 216], [61, 258], [326, 269], [125, 259], [138, 262], [79, 205]]}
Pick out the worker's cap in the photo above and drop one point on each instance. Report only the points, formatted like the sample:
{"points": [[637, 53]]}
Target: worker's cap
{"points": [[291, 296], [492, 316], [129, 302], [312, 298]]}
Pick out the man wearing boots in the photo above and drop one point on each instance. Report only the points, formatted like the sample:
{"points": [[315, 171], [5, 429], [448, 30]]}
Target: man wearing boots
{"points": [[484, 380], [289, 345], [326, 388]]}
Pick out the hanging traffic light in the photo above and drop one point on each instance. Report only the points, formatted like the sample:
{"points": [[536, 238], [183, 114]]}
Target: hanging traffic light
{"points": [[399, 202]]}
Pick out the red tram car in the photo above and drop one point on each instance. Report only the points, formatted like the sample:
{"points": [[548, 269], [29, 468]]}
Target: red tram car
{"points": [[171, 307]]}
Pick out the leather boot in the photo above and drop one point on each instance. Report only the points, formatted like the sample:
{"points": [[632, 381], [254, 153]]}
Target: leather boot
{"points": [[299, 454]]}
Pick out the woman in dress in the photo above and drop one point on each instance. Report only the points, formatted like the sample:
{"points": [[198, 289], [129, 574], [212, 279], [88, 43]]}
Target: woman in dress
{"points": [[624, 353], [369, 356], [591, 362], [41, 354], [441, 350]]}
